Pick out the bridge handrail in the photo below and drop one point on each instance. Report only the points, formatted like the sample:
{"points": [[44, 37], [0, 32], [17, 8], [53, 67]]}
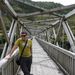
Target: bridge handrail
{"points": [[9, 64], [64, 58], [69, 53], [5, 60]]}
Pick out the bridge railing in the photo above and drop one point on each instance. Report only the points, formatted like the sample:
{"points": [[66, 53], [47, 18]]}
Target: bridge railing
{"points": [[64, 58], [8, 67]]}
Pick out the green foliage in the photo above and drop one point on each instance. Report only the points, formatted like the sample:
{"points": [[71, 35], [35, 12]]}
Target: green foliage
{"points": [[20, 7], [71, 21], [7, 22], [47, 5]]}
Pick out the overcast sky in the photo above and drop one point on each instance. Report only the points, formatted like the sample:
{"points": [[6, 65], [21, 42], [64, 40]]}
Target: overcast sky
{"points": [[64, 2]]}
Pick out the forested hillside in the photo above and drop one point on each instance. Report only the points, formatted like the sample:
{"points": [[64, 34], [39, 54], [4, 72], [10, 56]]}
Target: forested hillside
{"points": [[24, 8], [47, 5]]}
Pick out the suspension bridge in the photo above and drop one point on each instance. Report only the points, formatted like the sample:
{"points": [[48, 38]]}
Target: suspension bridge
{"points": [[53, 38]]}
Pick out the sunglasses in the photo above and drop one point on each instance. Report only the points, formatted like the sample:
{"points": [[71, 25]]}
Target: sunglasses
{"points": [[23, 35]]}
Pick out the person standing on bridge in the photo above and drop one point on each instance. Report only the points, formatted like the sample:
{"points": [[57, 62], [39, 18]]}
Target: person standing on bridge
{"points": [[26, 58]]}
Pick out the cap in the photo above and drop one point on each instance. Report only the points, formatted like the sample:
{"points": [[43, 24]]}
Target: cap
{"points": [[23, 33]]}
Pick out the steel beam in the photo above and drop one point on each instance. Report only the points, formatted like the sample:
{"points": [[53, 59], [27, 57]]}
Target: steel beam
{"points": [[39, 21], [50, 26], [71, 13], [3, 28], [24, 26], [6, 44], [55, 36], [12, 36], [46, 36], [6, 5], [69, 36], [48, 11], [58, 30], [70, 31]]}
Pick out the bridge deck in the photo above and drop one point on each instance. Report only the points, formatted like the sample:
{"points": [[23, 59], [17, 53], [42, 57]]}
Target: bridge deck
{"points": [[42, 64]]}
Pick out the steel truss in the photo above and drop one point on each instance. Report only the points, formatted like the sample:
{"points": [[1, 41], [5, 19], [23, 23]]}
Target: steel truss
{"points": [[51, 33]]}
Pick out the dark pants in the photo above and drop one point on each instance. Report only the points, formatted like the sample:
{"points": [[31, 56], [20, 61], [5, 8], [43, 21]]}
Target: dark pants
{"points": [[26, 65]]}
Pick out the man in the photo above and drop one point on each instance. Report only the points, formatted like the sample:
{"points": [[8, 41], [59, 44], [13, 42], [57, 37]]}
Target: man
{"points": [[26, 58]]}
